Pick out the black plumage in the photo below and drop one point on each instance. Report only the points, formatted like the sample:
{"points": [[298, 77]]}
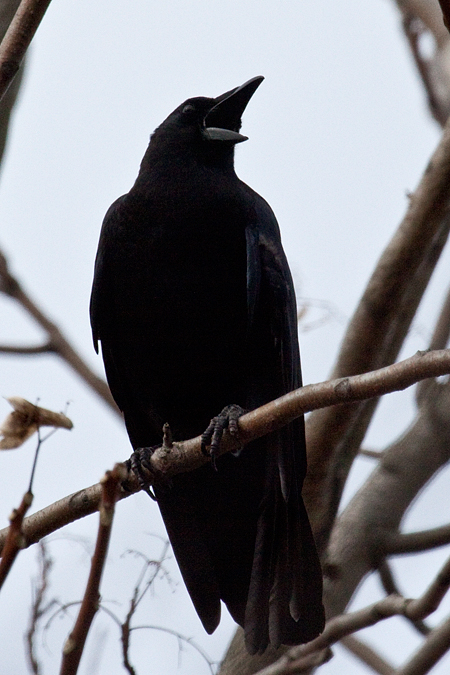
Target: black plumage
{"points": [[194, 305]]}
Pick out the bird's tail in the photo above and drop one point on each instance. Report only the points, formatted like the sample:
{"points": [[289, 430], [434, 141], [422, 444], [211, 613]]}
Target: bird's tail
{"points": [[284, 604]]}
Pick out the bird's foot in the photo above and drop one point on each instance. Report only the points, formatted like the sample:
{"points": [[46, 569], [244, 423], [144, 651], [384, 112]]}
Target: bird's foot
{"points": [[141, 467], [227, 419]]}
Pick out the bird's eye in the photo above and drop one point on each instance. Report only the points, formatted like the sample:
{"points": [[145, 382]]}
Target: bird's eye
{"points": [[188, 109]]}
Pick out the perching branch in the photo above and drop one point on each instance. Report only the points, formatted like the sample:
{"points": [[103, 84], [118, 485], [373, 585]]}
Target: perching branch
{"points": [[187, 455], [56, 342]]}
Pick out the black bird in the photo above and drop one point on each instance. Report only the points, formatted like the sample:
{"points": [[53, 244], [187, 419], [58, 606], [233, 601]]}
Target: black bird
{"points": [[194, 305]]}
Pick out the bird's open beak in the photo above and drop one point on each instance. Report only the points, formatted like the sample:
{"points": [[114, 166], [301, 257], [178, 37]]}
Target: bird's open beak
{"points": [[223, 121]]}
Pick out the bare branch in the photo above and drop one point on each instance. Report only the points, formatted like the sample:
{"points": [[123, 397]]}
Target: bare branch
{"points": [[7, 10], [375, 454], [414, 542], [434, 647], [38, 609], [424, 18], [60, 513], [14, 540], [17, 39], [438, 340], [431, 599], [74, 645], [387, 579], [438, 105], [46, 348], [441, 332], [56, 342], [182, 639], [138, 595], [276, 414], [367, 655], [327, 311]]}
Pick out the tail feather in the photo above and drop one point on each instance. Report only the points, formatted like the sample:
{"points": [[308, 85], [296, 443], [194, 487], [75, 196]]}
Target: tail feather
{"points": [[256, 623], [284, 604]]}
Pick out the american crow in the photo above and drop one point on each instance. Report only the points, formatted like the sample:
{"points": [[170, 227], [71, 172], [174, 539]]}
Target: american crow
{"points": [[194, 305]]}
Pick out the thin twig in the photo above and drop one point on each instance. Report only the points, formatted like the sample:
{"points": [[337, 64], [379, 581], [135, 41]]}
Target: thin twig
{"points": [[387, 579], [181, 639], [38, 608], [15, 540], [187, 455], [46, 348], [138, 594], [431, 599], [374, 454]]}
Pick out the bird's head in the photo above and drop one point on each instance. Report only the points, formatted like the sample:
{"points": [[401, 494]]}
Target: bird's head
{"points": [[207, 128]]}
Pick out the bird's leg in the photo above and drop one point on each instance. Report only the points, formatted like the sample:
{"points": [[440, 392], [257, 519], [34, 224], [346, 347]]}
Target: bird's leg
{"points": [[227, 419], [140, 466]]}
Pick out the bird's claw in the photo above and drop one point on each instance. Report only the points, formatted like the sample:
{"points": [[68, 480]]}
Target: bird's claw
{"points": [[140, 466], [227, 419]]}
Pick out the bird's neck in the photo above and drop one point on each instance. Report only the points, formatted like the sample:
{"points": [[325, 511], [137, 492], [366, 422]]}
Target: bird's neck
{"points": [[175, 169]]}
